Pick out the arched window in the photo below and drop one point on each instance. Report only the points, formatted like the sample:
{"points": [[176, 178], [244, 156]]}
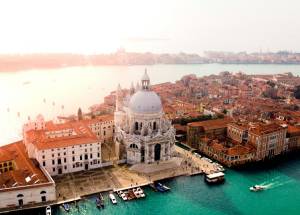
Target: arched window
{"points": [[141, 125], [154, 125], [43, 192], [136, 126], [133, 146], [20, 195]]}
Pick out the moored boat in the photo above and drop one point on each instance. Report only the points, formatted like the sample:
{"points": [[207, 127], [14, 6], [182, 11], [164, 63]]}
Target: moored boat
{"points": [[101, 198], [140, 190], [215, 178], [136, 193], [164, 186], [48, 210], [66, 207], [98, 202], [112, 198]]}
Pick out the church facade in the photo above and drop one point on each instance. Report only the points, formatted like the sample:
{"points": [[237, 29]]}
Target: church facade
{"points": [[143, 134]]}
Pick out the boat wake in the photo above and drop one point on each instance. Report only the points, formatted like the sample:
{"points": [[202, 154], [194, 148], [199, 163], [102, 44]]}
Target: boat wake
{"points": [[274, 183]]}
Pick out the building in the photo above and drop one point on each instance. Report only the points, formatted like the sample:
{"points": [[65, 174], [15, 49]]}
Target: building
{"points": [[237, 131], [197, 130], [23, 182], [268, 139], [63, 148], [103, 127], [143, 134]]}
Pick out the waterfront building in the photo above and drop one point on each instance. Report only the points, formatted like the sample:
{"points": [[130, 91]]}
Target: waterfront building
{"points": [[63, 148], [143, 134], [23, 182], [268, 139]]}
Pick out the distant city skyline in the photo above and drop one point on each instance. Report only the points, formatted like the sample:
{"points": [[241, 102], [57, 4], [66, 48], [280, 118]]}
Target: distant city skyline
{"points": [[191, 26]]}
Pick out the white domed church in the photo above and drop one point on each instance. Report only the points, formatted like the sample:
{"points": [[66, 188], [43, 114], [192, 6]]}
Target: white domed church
{"points": [[143, 134]]}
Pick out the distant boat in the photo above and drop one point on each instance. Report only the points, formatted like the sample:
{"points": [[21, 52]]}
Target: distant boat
{"points": [[66, 207], [26, 82], [48, 210], [257, 188]]}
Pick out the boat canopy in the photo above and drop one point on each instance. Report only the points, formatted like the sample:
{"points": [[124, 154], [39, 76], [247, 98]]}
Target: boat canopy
{"points": [[215, 175]]}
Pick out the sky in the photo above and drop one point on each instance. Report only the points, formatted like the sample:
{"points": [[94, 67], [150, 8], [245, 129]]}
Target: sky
{"points": [[159, 26]]}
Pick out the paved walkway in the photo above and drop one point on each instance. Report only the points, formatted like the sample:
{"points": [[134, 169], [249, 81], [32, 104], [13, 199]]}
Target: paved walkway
{"points": [[76, 185]]}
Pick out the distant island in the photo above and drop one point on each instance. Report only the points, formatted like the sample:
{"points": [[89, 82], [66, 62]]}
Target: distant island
{"points": [[18, 62]]}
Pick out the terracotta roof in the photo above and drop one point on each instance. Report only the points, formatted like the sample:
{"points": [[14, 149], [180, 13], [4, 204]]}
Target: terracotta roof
{"points": [[260, 129], [211, 124], [26, 172], [83, 135]]}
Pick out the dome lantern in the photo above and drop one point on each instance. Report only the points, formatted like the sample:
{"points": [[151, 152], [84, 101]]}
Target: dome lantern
{"points": [[145, 81]]}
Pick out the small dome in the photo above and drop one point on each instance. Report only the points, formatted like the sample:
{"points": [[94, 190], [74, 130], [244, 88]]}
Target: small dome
{"points": [[145, 102]]}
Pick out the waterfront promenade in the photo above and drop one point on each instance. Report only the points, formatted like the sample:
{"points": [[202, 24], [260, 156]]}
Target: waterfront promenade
{"points": [[75, 186]]}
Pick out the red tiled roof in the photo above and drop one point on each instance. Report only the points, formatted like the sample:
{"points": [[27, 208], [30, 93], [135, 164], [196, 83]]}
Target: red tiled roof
{"points": [[24, 167]]}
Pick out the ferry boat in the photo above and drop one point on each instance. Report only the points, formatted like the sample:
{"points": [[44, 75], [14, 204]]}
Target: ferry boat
{"points": [[215, 177], [257, 188], [48, 210], [112, 198]]}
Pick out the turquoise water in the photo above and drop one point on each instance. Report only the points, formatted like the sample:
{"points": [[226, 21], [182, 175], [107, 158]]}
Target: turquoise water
{"points": [[192, 196]]}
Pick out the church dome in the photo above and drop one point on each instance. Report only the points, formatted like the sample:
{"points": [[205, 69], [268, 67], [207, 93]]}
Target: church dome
{"points": [[145, 102]]}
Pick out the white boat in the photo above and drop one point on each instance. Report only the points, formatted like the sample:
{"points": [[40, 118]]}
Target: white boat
{"points": [[112, 198], [48, 210], [257, 188], [123, 196], [215, 177], [141, 192], [136, 193]]}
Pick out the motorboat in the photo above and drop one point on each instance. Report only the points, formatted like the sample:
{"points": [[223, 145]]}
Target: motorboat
{"points": [[98, 202], [164, 186], [101, 198], [136, 193], [140, 190], [112, 198], [122, 195], [48, 210], [66, 207], [257, 188]]}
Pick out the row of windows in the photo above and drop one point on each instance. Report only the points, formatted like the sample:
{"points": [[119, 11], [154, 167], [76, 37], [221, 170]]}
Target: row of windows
{"points": [[58, 149], [59, 161], [6, 169], [5, 164], [78, 165]]}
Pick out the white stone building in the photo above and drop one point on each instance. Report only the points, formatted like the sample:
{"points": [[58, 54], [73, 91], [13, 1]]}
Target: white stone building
{"points": [[143, 134], [63, 148]]}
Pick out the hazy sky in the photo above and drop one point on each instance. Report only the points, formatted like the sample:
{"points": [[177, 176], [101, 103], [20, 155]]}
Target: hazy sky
{"points": [[149, 25]]}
